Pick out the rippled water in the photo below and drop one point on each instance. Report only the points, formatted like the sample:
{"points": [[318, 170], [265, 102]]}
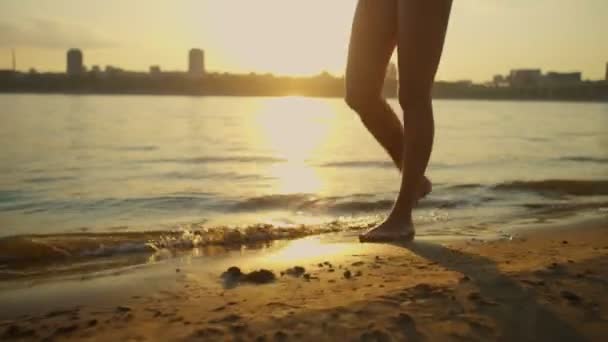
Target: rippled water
{"points": [[74, 164]]}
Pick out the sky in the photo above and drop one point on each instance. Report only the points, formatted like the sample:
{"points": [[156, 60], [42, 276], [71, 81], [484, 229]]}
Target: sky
{"points": [[296, 37]]}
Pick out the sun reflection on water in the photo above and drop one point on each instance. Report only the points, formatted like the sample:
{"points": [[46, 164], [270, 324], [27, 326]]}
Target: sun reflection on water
{"points": [[294, 129]]}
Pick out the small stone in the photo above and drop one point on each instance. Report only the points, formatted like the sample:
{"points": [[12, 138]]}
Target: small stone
{"points": [[238, 327], [565, 242], [376, 335], [296, 271], [14, 332], [280, 336], [92, 323], [232, 272], [123, 309], [404, 319], [347, 274], [320, 265], [474, 296], [260, 277], [66, 330], [177, 270], [464, 279], [358, 274], [307, 276], [227, 319], [571, 296]]}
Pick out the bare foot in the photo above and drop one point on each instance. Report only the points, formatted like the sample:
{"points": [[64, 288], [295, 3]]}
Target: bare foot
{"points": [[391, 230], [396, 229]]}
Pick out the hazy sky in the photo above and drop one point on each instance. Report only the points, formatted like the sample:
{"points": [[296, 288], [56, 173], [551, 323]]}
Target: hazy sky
{"points": [[296, 37]]}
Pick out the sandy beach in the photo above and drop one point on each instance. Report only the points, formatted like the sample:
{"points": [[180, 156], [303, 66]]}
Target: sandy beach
{"points": [[541, 285]]}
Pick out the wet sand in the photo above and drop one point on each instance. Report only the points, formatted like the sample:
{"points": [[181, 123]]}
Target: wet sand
{"points": [[543, 285]]}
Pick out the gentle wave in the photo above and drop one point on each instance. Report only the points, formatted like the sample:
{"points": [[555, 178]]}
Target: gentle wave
{"points": [[137, 148], [585, 159], [559, 186], [48, 179], [464, 186], [171, 201], [356, 204], [379, 164], [360, 164], [217, 159], [17, 250]]}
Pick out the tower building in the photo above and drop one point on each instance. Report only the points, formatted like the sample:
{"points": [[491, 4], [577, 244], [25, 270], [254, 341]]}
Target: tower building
{"points": [[196, 62], [74, 62]]}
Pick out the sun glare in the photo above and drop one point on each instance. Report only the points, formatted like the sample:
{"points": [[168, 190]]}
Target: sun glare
{"points": [[307, 248], [294, 129]]}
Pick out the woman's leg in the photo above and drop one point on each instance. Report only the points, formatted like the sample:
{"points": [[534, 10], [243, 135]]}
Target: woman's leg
{"points": [[421, 32], [372, 42]]}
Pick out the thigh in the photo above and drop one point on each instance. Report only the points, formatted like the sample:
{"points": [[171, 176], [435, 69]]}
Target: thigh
{"points": [[421, 30], [372, 42]]}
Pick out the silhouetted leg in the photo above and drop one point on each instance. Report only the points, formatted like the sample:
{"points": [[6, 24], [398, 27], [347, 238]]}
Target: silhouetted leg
{"points": [[373, 40], [421, 34]]}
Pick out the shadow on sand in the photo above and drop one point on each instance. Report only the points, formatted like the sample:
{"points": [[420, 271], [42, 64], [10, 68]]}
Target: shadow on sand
{"points": [[519, 315]]}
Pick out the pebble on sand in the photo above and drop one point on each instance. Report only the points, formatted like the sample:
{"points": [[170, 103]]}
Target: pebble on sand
{"points": [[259, 277], [571, 296], [235, 275], [295, 271], [66, 329]]}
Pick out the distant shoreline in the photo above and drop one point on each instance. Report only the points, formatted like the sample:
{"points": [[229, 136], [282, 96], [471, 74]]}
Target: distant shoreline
{"points": [[185, 94]]}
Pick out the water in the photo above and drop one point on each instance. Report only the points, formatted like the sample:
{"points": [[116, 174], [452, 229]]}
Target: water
{"points": [[115, 164]]}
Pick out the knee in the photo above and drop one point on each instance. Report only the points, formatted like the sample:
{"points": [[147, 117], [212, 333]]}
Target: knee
{"points": [[355, 99], [363, 101], [414, 99]]}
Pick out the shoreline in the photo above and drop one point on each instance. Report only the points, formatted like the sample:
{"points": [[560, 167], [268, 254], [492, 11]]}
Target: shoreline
{"points": [[52, 256], [543, 284], [178, 94]]}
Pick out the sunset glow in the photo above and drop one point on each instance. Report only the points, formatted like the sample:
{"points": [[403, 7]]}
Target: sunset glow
{"points": [[294, 37]]}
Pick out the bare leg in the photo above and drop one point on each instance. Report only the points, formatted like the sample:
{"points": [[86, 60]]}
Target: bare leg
{"points": [[373, 40], [421, 34]]}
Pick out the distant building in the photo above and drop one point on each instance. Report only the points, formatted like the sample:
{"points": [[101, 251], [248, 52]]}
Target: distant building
{"points": [[196, 62], [7, 74], [525, 77], [562, 78], [112, 71], [464, 83], [500, 81], [154, 70], [75, 64]]}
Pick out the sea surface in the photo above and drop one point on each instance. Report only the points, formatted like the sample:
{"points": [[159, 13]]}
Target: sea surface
{"points": [[88, 175]]}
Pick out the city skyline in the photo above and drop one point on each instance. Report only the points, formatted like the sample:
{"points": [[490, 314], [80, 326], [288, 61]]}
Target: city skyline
{"points": [[485, 37]]}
